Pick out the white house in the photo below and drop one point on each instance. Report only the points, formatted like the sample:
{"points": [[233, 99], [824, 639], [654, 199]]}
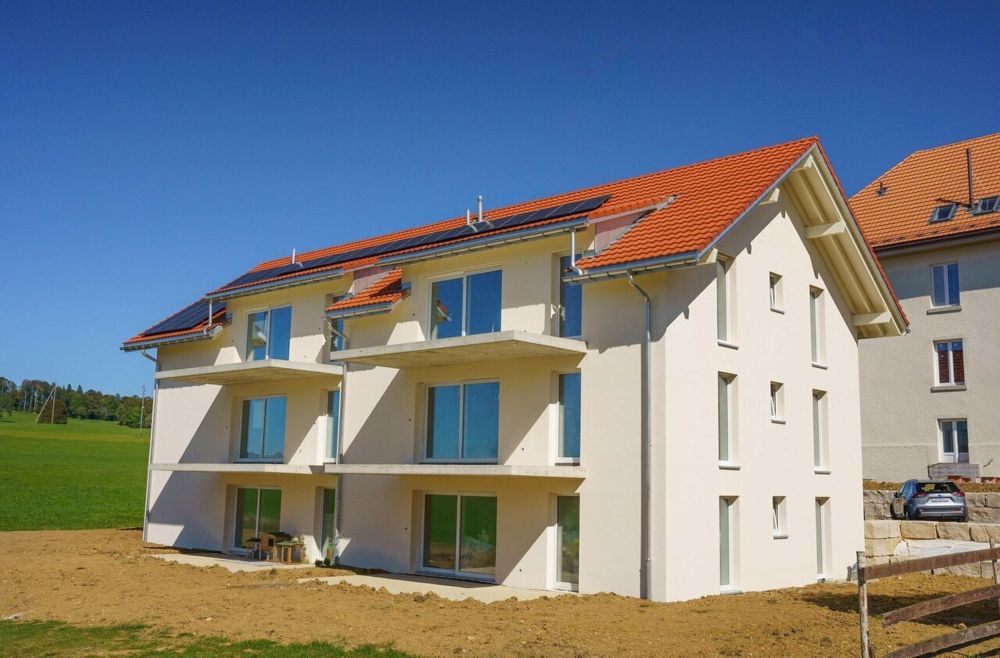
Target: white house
{"points": [[647, 387]]}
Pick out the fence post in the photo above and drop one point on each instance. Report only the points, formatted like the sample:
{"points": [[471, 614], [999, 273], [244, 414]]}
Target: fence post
{"points": [[863, 605]]}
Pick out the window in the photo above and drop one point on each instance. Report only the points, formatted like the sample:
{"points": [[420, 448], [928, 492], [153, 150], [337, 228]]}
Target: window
{"points": [[950, 362], [262, 437], [816, 332], [723, 299], [460, 535], [333, 424], [727, 542], [727, 424], [954, 440], [775, 292], [257, 511], [570, 304], [777, 402], [944, 282], [779, 517], [819, 430], [985, 205], [822, 538], [329, 531], [336, 329], [268, 334], [463, 422], [567, 542], [569, 416], [943, 213], [466, 305]]}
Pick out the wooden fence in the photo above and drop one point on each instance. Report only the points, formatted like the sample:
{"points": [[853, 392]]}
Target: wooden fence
{"points": [[932, 606]]}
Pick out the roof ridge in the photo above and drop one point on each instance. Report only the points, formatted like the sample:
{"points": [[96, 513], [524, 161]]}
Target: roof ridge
{"points": [[443, 223], [950, 144]]}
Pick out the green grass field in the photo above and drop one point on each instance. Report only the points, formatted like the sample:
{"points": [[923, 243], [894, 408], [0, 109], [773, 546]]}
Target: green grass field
{"points": [[57, 639], [85, 474]]}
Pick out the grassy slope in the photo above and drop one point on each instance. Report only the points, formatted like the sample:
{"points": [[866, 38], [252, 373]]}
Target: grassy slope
{"points": [[58, 639], [86, 474]]}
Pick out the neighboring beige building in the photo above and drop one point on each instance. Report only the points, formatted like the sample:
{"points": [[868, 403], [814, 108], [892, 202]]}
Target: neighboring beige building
{"points": [[931, 401], [463, 399]]}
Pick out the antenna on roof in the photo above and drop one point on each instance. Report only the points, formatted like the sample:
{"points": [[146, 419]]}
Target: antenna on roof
{"points": [[479, 200], [968, 174], [468, 217], [293, 255], [882, 189]]}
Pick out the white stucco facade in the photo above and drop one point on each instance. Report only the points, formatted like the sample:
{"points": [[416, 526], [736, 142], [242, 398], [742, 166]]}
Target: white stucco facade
{"points": [[902, 403], [193, 480]]}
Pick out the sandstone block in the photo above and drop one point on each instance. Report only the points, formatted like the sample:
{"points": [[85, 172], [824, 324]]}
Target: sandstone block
{"points": [[881, 529], [959, 531], [992, 499], [984, 532], [975, 499], [879, 547], [984, 514], [918, 530]]}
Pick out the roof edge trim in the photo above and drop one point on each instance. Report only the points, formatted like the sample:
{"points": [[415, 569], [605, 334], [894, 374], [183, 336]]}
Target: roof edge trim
{"points": [[172, 340], [295, 280]]}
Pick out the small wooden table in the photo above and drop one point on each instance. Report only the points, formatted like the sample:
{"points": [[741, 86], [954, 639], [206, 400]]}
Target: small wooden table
{"points": [[286, 550]]}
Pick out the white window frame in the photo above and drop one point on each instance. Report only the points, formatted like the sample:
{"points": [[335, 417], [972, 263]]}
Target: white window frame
{"points": [[776, 296], [236, 497], [952, 457], [779, 517], [424, 459], [336, 437], [978, 210], [823, 539], [464, 276], [935, 215], [821, 432], [732, 461], [453, 573], [730, 505], [267, 328], [817, 326], [557, 546], [725, 301], [239, 434], [557, 416], [949, 302], [951, 362], [777, 403]]}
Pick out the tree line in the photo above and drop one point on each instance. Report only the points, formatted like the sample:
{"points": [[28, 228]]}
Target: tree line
{"points": [[73, 402]]}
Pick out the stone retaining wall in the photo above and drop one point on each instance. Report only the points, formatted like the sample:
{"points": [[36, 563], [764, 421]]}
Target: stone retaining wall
{"points": [[891, 541], [983, 507]]}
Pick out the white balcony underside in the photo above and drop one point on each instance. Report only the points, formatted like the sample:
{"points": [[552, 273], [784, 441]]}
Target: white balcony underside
{"points": [[477, 348], [398, 470], [251, 372]]}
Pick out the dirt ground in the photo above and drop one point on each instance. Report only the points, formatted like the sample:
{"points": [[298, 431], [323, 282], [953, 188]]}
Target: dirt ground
{"points": [[102, 577]]}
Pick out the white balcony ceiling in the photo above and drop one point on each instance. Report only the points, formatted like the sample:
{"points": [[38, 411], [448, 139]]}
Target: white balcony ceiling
{"points": [[253, 372]]}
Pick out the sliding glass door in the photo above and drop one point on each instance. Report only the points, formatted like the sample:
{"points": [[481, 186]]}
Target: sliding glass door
{"points": [[460, 535], [257, 511]]}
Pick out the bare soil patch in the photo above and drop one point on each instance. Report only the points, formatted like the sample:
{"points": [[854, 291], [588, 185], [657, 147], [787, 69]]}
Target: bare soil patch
{"points": [[104, 577]]}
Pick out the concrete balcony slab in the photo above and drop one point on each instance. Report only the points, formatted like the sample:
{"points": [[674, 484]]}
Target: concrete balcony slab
{"points": [[252, 372]]}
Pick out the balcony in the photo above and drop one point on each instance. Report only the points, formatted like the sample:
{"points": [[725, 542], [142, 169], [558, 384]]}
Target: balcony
{"points": [[253, 372], [474, 348], [240, 467], [460, 470]]}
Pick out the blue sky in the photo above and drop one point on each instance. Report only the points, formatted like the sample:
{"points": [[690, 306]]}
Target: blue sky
{"points": [[152, 151]]}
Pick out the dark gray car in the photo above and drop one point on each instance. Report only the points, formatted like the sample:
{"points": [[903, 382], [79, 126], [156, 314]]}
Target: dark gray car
{"points": [[929, 499]]}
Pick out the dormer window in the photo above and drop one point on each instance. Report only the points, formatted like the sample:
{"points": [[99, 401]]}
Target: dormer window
{"points": [[943, 213], [986, 204]]}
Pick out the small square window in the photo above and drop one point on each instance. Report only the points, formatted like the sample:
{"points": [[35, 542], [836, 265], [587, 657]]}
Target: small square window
{"points": [[777, 402], [775, 291], [943, 213], [987, 204], [779, 517]]}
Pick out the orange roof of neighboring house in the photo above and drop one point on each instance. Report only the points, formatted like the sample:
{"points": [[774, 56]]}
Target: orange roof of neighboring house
{"points": [[386, 290], [915, 187], [690, 206]]}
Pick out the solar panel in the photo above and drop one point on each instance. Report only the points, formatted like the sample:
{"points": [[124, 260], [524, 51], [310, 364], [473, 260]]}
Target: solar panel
{"points": [[412, 242], [186, 318]]}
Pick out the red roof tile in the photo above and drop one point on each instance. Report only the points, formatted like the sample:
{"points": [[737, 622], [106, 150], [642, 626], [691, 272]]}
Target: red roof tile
{"points": [[914, 187], [388, 289]]}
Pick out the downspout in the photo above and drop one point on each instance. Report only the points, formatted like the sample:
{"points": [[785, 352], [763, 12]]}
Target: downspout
{"points": [[646, 573], [339, 495]]}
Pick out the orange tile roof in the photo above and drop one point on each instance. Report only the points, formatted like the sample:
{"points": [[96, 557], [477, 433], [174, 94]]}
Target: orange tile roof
{"points": [[387, 290], [705, 198], [914, 186]]}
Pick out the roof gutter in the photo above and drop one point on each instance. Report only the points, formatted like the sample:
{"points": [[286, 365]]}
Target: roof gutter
{"points": [[488, 241], [686, 259], [171, 340], [279, 284]]}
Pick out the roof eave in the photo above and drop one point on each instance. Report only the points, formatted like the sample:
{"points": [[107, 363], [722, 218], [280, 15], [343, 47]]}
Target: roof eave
{"points": [[202, 334], [289, 282]]}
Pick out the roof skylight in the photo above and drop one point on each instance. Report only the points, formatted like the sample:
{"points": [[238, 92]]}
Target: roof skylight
{"points": [[943, 213], [986, 204]]}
